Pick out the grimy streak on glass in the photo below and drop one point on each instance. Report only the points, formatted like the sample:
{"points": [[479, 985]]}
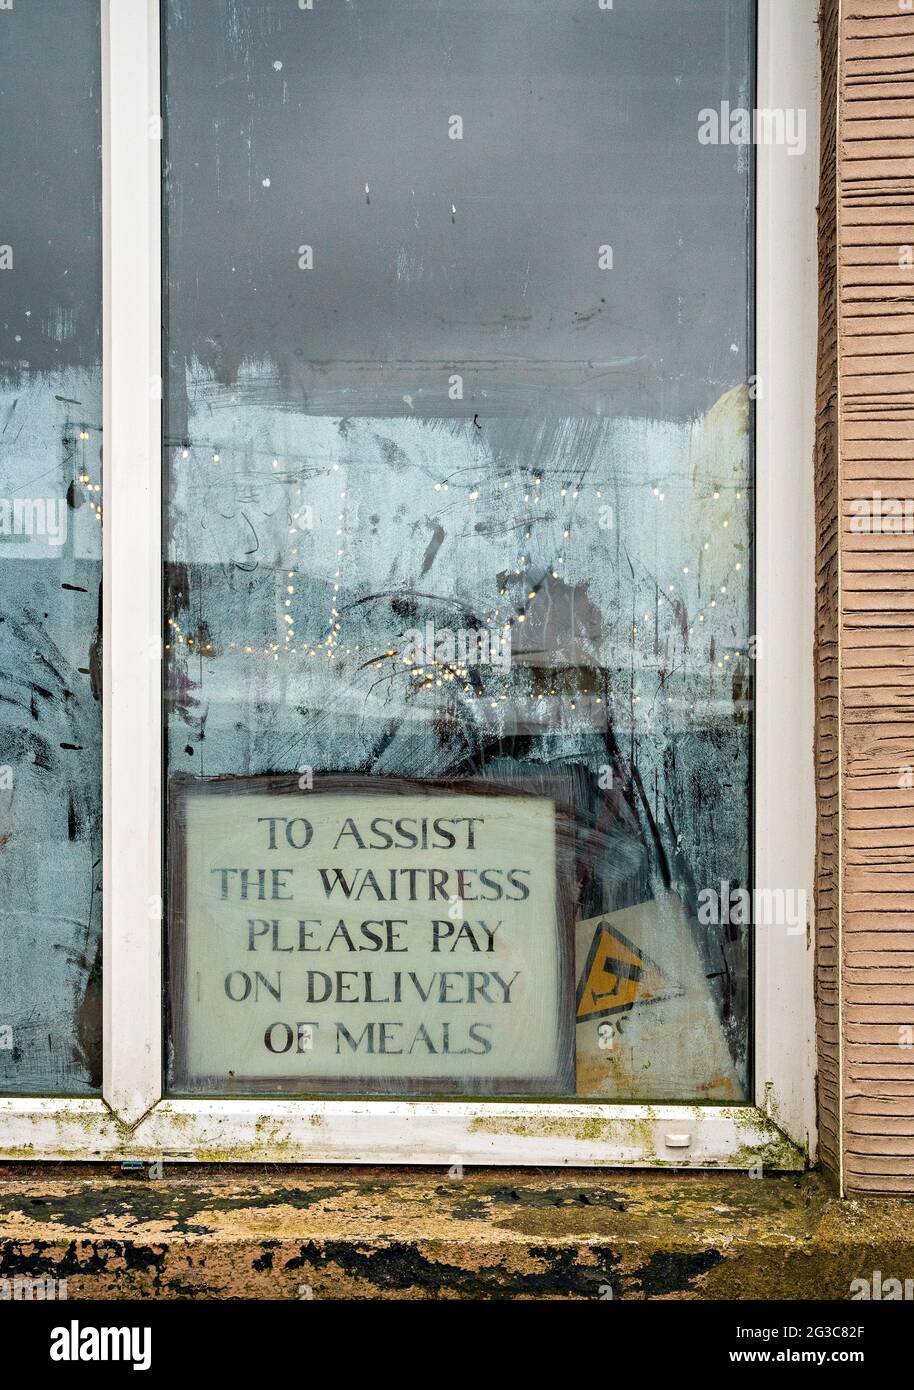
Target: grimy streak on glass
{"points": [[50, 548], [459, 455]]}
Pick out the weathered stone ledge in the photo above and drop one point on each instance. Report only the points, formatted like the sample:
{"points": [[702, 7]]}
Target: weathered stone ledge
{"points": [[418, 1233]]}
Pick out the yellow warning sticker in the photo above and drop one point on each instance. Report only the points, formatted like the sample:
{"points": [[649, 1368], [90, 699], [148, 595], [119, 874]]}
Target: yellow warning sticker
{"points": [[617, 976]]}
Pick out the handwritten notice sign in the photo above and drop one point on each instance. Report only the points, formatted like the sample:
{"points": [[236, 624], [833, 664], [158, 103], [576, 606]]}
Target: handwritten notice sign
{"points": [[351, 938]]}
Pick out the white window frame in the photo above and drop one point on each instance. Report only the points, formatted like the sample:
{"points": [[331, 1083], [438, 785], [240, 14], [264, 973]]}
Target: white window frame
{"points": [[133, 1120]]}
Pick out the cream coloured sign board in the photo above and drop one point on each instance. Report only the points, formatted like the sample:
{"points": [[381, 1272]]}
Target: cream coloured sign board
{"points": [[347, 939]]}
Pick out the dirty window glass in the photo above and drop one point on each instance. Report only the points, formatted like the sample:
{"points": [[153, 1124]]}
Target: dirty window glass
{"points": [[458, 563], [50, 548]]}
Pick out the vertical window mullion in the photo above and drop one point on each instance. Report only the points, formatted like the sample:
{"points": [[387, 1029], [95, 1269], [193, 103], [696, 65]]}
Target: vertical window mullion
{"points": [[784, 790], [132, 611]]}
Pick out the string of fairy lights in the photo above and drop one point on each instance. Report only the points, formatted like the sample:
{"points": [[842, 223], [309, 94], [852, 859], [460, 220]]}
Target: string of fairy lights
{"points": [[91, 488], [433, 672]]}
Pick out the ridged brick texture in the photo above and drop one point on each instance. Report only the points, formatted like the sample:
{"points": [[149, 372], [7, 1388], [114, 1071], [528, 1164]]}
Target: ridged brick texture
{"points": [[875, 578], [826, 619]]}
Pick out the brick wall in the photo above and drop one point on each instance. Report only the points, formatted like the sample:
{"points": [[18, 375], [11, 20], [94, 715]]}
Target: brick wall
{"points": [[865, 601]]}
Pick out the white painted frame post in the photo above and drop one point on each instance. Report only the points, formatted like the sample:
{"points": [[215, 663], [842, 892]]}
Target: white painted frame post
{"points": [[786, 341], [133, 1120], [132, 703]]}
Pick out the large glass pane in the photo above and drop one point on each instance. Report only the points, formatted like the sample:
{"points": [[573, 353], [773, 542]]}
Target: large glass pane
{"points": [[458, 562], [50, 547]]}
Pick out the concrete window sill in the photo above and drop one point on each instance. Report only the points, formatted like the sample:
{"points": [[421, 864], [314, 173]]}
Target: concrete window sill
{"points": [[368, 1233]]}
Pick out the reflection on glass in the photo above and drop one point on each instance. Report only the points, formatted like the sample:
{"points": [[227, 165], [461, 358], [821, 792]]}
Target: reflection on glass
{"points": [[460, 491], [50, 548]]}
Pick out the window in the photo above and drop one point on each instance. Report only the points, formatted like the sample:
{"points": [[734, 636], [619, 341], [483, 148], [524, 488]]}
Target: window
{"points": [[441, 676], [459, 507], [50, 550]]}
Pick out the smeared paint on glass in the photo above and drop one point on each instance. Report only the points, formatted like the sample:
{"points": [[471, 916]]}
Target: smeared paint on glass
{"points": [[458, 450], [50, 548]]}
